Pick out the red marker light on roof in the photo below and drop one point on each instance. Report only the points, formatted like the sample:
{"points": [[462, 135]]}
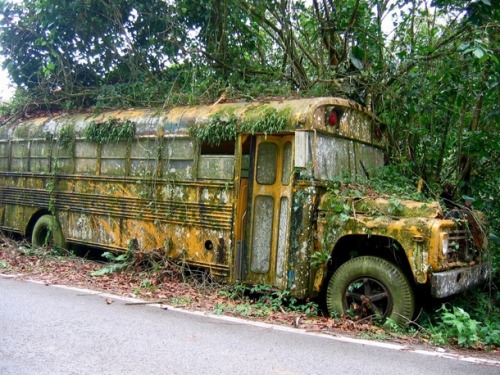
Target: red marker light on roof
{"points": [[332, 118]]}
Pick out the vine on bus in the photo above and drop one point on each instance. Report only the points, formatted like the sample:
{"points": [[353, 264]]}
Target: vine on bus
{"points": [[218, 129], [272, 121], [66, 137], [222, 127], [111, 130]]}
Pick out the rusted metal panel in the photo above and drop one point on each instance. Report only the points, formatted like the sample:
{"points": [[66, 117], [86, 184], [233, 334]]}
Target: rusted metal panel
{"points": [[303, 232], [454, 281]]}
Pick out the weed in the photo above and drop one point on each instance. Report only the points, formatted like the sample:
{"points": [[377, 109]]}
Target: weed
{"points": [[220, 308], [456, 326], [235, 291], [319, 258], [263, 300], [118, 262], [66, 137], [180, 301], [148, 284]]}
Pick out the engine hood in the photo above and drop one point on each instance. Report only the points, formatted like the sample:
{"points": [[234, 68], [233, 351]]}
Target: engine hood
{"points": [[376, 206]]}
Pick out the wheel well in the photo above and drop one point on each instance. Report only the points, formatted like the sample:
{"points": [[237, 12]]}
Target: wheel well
{"points": [[31, 223], [352, 246]]}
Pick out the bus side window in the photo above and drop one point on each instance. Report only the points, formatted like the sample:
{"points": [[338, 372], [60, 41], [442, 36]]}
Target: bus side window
{"points": [[62, 157], [113, 159], [144, 157], [216, 167], [4, 156], [85, 157], [178, 155], [20, 153], [216, 162], [40, 156]]}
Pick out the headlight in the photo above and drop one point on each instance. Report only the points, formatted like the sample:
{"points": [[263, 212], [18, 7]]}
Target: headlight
{"points": [[444, 243]]}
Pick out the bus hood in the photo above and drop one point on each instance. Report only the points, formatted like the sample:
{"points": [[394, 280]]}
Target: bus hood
{"points": [[378, 206]]}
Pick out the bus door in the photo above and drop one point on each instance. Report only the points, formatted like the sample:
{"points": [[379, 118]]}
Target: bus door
{"points": [[268, 225]]}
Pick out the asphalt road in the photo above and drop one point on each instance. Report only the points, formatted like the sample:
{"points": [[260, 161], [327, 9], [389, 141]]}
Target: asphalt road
{"points": [[53, 330]]}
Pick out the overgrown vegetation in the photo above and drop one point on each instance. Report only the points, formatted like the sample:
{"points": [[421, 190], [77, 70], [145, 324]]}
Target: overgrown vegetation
{"points": [[262, 300], [111, 130], [272, 121], [218, 129], [223, 127], [471, 320]]}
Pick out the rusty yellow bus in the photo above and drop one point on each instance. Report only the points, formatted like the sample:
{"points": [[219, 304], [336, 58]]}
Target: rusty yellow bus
{"points": [[242, 190]]}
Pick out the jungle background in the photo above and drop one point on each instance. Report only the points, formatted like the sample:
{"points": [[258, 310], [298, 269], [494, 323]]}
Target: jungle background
{"points": [[428, 69]]}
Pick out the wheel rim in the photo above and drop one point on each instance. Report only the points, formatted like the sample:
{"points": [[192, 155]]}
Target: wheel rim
{"points": [[367, 297], [44, 237]]}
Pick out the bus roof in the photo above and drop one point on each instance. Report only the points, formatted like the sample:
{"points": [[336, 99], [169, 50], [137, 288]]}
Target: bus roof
{"points": [[299, 114]]}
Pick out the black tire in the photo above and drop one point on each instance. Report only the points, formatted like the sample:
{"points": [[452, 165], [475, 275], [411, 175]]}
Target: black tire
{"points": [[371, 286], [47, 233]]}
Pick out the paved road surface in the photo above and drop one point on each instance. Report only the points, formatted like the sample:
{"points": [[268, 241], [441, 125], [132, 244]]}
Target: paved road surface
{"points": [[52, 330]]}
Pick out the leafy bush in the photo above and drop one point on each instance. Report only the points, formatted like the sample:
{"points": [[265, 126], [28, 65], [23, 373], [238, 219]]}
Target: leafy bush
{"points": [[118, 262], [477, 328]]}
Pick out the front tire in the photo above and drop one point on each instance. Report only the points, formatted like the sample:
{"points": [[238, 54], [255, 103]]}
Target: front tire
{"points": [[47, 233], [369, 286]]}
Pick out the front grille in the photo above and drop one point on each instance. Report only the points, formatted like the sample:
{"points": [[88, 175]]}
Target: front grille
{"points": [[460, 248]]}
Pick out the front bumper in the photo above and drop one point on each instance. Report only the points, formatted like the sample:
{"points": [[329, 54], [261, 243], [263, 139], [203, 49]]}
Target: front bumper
{"points": [[448, 283]]}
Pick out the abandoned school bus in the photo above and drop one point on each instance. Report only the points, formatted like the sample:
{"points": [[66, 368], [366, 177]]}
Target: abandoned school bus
{"points": [[240, 189]]}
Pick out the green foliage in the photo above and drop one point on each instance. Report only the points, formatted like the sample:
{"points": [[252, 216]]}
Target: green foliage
{"points": [[459, 324], [117, 263], [470, 320], [112, 130], [262, 300], [393, 180], [319, 258], [66, 137], [272, 121], [218, 129], [181, 301], [222, 127]]}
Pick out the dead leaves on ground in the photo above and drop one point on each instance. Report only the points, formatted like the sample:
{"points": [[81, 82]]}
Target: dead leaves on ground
{"points": [[165, 286]]}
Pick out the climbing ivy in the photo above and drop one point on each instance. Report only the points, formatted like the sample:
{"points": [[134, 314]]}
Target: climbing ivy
{"points": [[111, 130], [66, 137], [272, 121], [222, 127], [218, 129]]}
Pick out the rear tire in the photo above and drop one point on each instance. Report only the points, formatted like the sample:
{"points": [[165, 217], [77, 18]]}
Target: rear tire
{"points": [[47, 233], [369, 286]]}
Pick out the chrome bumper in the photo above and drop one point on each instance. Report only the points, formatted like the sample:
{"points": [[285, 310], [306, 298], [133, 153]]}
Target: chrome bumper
{"points": [[448, 283]]}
